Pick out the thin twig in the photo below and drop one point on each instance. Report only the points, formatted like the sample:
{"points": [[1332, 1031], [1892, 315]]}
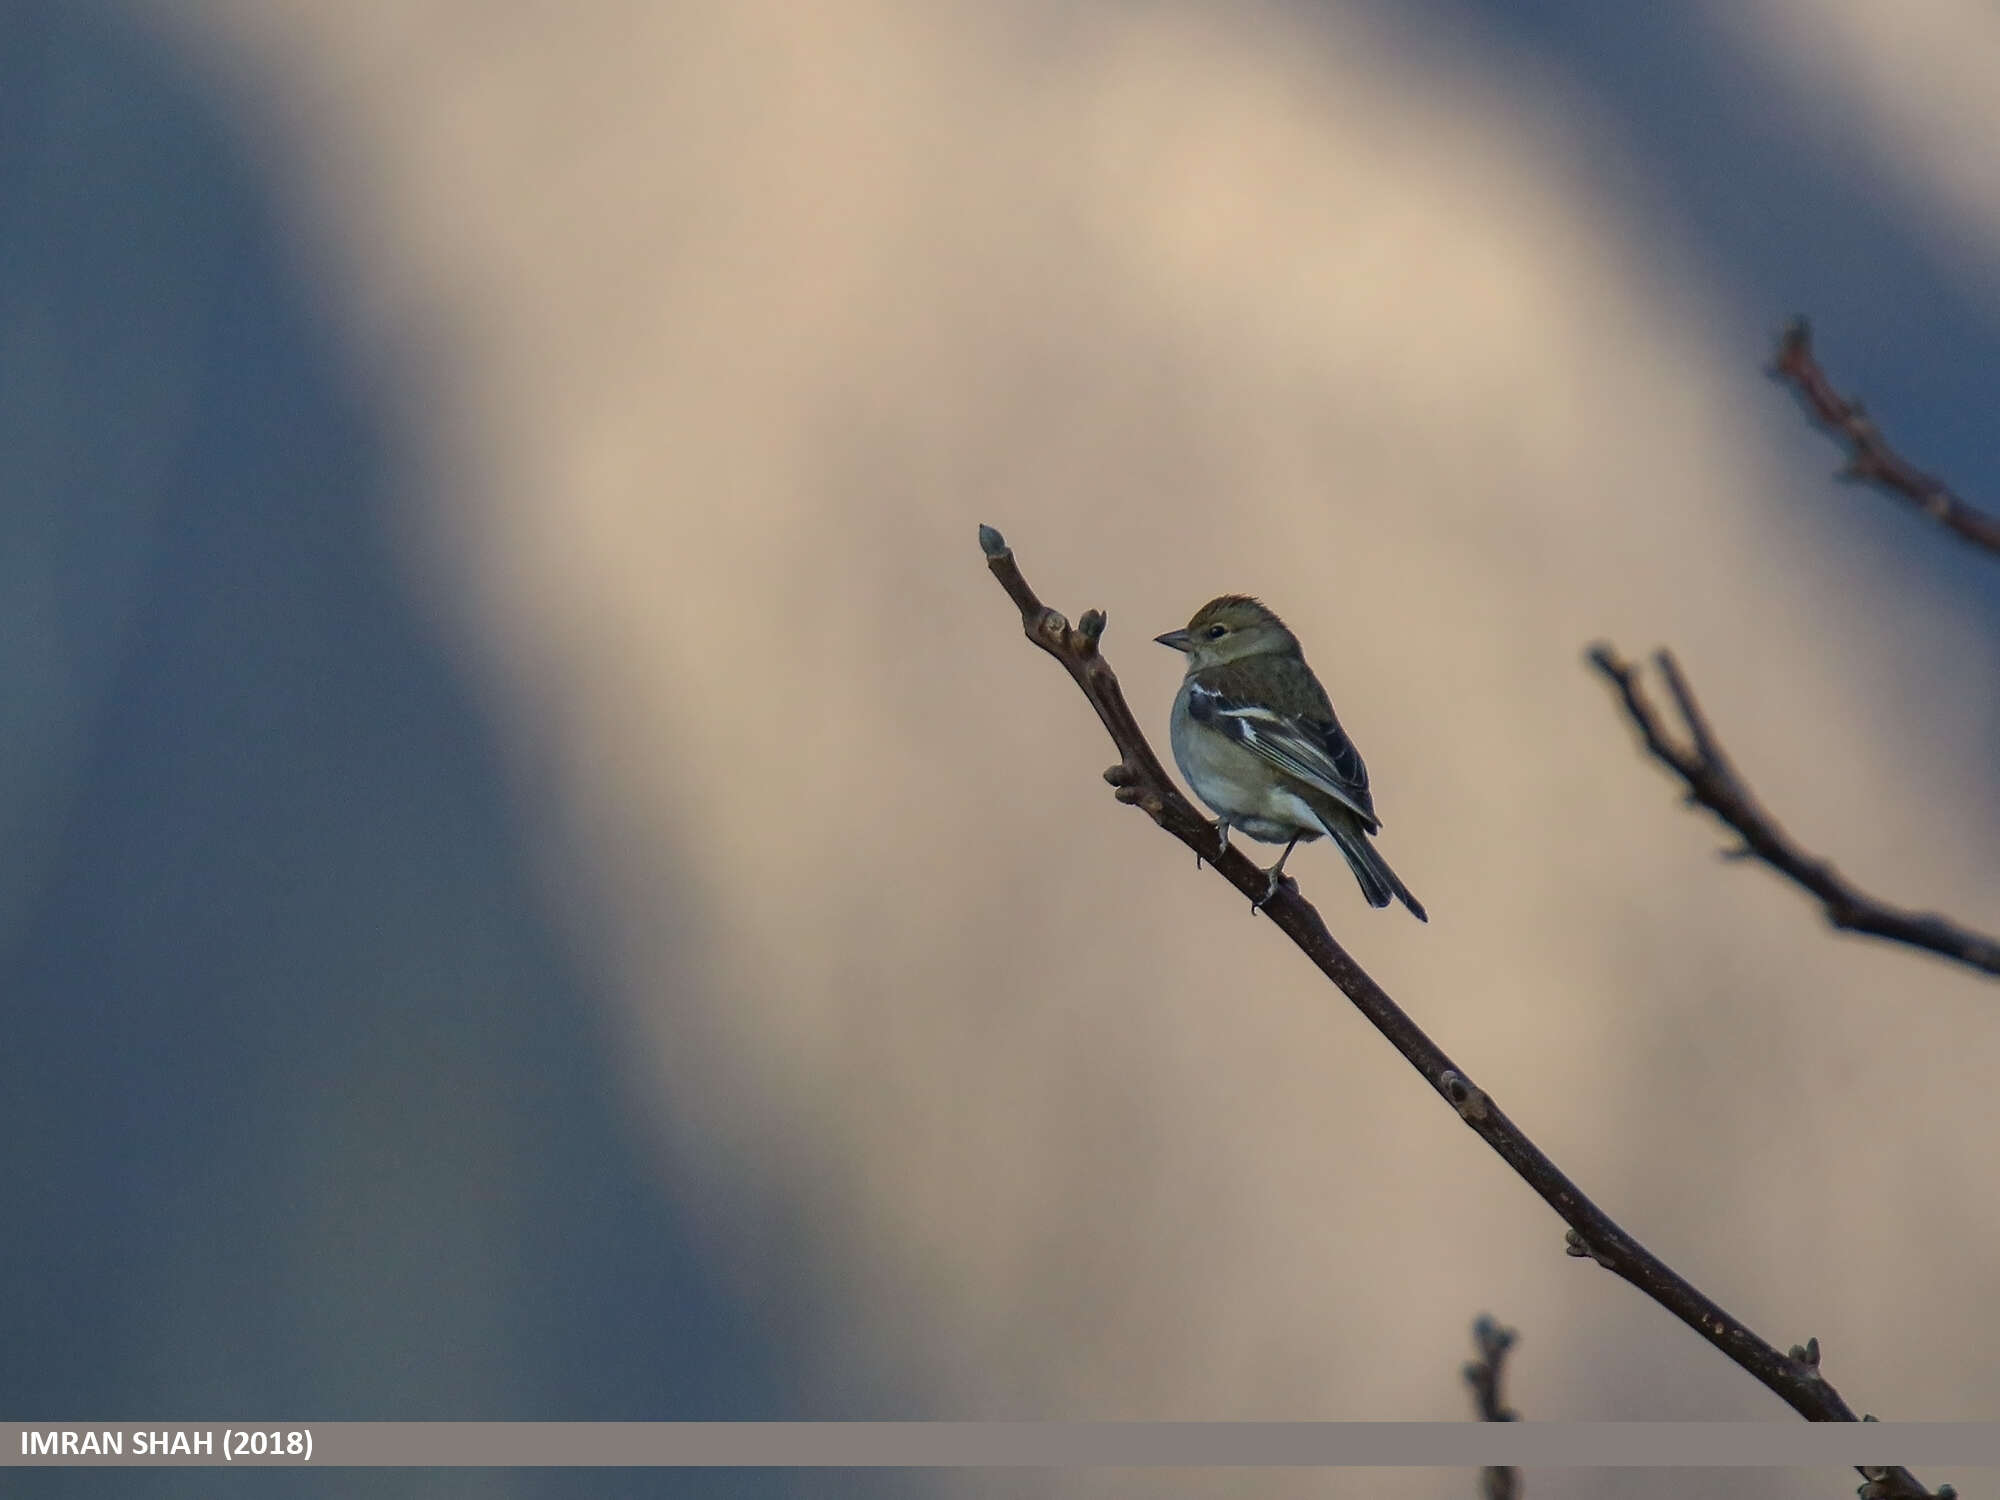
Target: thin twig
{"points": [[1497, 1481], [1141, 781], [1715, 784], [1870, 459]]}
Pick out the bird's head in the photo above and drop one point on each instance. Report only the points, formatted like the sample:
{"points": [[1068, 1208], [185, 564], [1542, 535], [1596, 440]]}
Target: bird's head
{"points": [[1230, 628]]}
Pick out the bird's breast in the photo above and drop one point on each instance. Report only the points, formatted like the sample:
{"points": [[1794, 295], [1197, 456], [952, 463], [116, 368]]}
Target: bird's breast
{"points": [[1238, 784]]}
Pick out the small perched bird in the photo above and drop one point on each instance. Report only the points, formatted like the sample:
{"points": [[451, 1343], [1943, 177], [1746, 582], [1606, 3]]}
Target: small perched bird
{"points": [[1256, 738]]}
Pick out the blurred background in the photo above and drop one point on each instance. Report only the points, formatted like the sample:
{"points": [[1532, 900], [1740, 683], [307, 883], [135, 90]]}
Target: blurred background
{"points": [[539, 879]]}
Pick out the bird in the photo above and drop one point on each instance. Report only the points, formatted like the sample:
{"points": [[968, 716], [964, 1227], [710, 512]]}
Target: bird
{"points": [[1255, 735]]}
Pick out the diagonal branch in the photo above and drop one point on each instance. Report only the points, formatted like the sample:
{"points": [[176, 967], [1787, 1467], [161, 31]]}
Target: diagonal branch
{"points": [[1869, 456], [1715, 784], [1497, 1482], [1141, 781]]}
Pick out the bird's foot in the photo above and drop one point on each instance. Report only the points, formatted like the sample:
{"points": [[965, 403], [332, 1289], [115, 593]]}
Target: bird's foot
{"points": [[1277, 879]]}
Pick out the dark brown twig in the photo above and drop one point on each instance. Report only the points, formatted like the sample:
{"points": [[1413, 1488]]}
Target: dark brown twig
{"points": [[1141, 781], [1497, 1481], [1714, 783], [1870, 459]]}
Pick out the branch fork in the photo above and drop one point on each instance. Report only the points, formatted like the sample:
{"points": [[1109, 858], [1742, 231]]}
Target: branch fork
{"points": [[1713, 782]]}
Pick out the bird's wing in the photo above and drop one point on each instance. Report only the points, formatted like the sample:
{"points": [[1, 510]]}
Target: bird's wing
{"points": [[1315, 751]]}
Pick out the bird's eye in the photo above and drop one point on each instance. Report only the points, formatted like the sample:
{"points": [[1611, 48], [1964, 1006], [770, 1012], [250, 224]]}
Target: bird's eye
{"points": [[1216, 632]]}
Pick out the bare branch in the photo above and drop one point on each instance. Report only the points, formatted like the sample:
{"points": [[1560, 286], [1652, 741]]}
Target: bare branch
{"points": [[1141, 781], [1497, 1481], [1870, 459], [1483, 1374], [1714, 783]]}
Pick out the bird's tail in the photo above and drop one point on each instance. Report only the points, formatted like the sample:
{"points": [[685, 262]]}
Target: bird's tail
{"points": [[1378, 881]]}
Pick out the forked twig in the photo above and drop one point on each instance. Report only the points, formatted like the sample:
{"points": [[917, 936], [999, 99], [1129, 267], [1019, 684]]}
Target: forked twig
{"points": [[1714, 783]]}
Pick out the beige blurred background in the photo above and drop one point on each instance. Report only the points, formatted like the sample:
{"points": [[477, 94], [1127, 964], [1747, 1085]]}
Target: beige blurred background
{"points": [[716, 330]]}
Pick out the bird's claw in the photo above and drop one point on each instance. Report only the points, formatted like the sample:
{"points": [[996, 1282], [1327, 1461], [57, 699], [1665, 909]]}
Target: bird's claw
{"points": [[1271, 889], [1221, 847]]}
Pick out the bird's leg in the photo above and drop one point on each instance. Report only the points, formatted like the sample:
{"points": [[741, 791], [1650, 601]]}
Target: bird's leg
{"points": [[1277, 876]]}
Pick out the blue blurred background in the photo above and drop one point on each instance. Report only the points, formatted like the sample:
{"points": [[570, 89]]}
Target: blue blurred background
{"points": [[305, 1102]]}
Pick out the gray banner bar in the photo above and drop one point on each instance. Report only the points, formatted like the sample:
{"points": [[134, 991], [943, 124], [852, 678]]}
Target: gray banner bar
{"points": [[958, 1445]]}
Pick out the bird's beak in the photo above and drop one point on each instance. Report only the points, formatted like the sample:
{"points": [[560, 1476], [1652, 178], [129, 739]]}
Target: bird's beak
{"points": [[1180, 640]]}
